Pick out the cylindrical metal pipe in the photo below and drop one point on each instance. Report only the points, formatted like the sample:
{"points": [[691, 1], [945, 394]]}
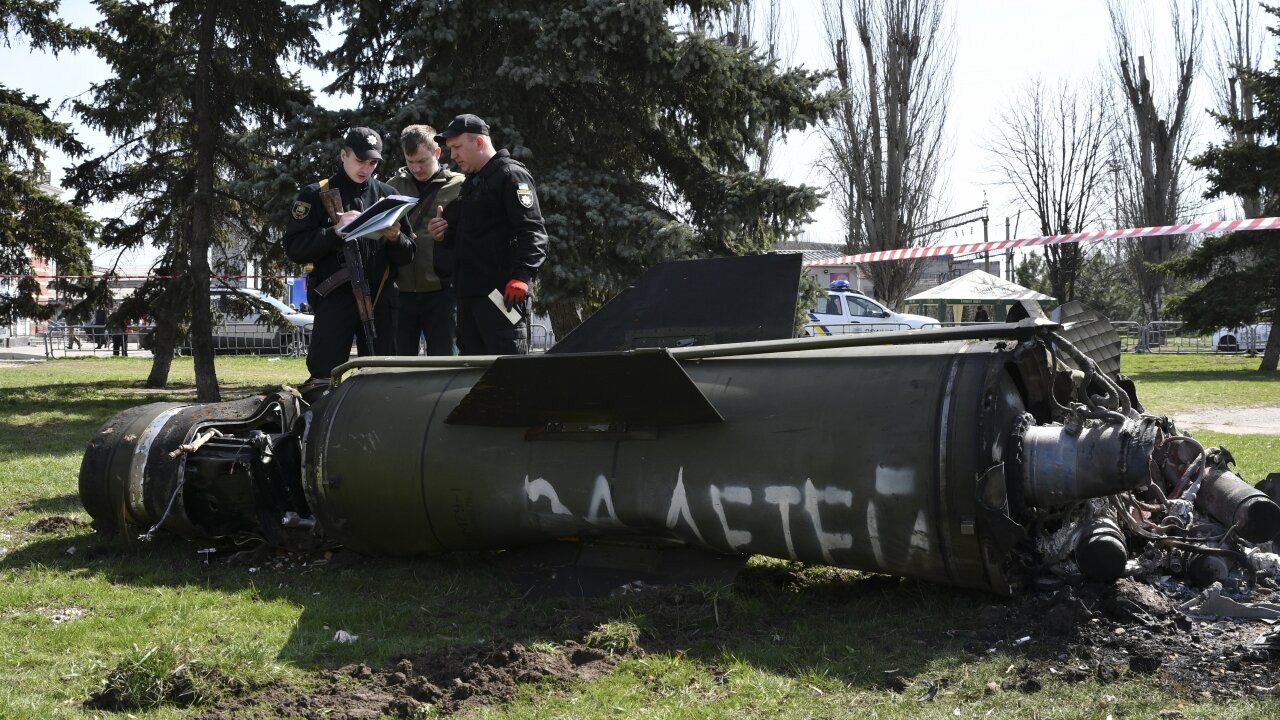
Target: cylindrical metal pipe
{"points": [[858, 457], [1062, 465], [1232, 501], [1204, 569], [1101, 552]]}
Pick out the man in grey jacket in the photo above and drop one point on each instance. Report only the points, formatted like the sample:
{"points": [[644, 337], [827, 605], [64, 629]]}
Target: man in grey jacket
{"points": [[428, 303]]}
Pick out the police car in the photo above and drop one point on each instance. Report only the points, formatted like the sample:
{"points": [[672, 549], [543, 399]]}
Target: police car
{"points": [[846, 310]]}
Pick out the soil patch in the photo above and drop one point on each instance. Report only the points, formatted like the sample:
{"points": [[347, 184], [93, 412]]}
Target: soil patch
{"points": [[449, 680], [55, 524]]}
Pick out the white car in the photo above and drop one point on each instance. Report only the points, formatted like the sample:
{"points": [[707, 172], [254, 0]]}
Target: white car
{"points": [[848, 311], [236, 329], [1243, 338]]}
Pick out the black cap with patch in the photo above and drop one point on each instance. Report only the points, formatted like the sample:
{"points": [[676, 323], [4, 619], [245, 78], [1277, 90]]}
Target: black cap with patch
{"points": [[462, 125], [365, 143]]}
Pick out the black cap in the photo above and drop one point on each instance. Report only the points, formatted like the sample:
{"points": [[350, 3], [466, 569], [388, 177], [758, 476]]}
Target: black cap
{"points": [[462, 125], [365, 143]]}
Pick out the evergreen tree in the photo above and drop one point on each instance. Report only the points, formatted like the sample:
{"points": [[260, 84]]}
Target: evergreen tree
{"points": [[31, 219], [196, 84], [637, 131], [1241, 271]]}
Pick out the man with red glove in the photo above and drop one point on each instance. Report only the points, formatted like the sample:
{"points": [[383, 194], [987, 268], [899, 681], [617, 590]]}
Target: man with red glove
{"points": [[496, 231]]}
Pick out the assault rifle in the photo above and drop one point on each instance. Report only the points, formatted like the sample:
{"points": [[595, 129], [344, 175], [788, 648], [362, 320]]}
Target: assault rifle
{"points": [[352, 251], [353, 256]]}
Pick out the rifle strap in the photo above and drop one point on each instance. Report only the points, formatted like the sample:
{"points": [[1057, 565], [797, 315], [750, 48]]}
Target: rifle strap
{"points": [[341, 276]]}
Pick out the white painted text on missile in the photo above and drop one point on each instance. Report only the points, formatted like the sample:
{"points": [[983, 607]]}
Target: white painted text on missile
{"points": [[807, 499]]}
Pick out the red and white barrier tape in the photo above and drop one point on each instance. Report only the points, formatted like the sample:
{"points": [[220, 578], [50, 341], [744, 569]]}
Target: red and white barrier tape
{"points": [[1220, 226]]}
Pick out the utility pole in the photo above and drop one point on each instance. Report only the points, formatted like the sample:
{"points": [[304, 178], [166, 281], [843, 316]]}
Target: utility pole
{"points": [[1008, 254], [986, 254]]}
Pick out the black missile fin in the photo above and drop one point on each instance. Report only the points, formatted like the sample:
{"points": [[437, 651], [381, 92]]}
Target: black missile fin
{"points": [[638, 388], [696, 302]]}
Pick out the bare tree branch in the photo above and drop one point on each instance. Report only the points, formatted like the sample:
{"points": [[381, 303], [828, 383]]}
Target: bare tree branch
{"points": [[1051, 148], [1154, 141], [885, 147], [1239, 48]]}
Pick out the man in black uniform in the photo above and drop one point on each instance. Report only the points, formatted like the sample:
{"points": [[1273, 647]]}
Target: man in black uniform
{"points": [[499, 240], [312, 238], [428, 305]]}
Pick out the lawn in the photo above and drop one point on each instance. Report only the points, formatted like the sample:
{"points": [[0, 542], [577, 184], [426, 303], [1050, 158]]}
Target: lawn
{"points": [[783, 641], [1169, 383]]}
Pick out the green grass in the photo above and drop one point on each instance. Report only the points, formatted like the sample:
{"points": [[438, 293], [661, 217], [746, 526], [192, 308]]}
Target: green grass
{"points": [[75, 612], [1168, 384]]}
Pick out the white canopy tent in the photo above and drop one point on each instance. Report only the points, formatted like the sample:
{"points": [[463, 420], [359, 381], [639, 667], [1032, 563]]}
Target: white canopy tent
{"points": [[979, 288]]}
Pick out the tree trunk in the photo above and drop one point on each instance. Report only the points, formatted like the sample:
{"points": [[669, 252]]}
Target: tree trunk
{"points": [[564, 317], [1271, 356], [202, 211], [164, 338]]}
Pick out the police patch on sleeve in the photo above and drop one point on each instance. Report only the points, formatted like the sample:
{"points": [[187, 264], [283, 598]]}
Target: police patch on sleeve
{"points": [[524, 194], [301, 209]]}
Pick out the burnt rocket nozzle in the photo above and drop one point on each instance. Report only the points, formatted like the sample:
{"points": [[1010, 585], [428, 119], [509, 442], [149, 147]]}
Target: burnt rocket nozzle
{"points": [[1065, 464]]}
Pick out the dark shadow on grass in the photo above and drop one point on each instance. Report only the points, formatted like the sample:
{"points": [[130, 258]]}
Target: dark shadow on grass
{"points": [[1219, 375], [57, 505], [71, 416], [867, 630]]}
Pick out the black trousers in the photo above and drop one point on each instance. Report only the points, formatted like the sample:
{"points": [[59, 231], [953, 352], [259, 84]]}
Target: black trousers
{"points": [[119, 345], [433, 315], [338, 321], [484, 330]]}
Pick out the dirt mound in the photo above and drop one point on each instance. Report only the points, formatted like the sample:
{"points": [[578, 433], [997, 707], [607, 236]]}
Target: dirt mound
{"points": [[449, 680], [55, 524]]}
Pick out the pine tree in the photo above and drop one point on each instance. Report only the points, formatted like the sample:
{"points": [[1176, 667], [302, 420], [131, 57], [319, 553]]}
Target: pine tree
{"points": [[637, 131], [196, 84], [31, 219], [1241, 271]]}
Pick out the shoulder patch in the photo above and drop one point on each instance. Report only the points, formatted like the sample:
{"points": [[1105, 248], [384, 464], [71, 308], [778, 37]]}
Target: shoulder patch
{"points": [[524, 194], [301, 210]]}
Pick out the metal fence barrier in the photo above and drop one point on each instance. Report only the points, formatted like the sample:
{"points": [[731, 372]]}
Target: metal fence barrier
{"points": [[62, 340], [1163, 336]]}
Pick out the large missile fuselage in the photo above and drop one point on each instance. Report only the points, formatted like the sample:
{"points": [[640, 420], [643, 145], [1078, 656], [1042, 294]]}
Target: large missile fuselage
{"points": [[978, 456], [863, 458]]}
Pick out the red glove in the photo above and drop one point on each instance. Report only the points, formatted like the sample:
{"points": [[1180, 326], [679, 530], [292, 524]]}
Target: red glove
{"points": [[515, 292]]}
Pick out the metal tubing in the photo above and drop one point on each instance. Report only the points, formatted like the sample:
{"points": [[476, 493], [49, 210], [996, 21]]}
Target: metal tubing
{"points": [[1233, 502]]}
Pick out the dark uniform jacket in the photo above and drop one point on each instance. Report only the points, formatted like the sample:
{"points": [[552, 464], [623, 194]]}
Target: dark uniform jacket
{"points": [[432, 269], [495, 228], [311, 238]]}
